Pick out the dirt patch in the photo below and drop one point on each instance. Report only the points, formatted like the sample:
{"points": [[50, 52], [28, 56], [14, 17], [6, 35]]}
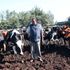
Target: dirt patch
{"points": [[52, 60]]}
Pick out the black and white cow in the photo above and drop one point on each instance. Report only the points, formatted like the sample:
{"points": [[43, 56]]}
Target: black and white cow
{"points": [[13, 37], [51, 34]]}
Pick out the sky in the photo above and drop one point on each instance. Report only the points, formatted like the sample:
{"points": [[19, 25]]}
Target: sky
{"points": [[59, 8]]}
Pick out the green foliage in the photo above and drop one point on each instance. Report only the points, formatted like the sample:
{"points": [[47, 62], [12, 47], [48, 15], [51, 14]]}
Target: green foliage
{"points": [[14, 20]]}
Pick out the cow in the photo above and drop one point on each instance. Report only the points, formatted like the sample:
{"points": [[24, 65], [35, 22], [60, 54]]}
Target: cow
{"points": [[13, 38], [50, 34], [63, 34]]}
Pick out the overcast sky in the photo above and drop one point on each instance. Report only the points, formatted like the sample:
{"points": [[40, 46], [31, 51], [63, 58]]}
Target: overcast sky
{"points": [[59, 8]]}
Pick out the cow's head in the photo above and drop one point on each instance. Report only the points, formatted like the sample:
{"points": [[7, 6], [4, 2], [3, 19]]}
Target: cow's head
{"points": [[54, 36]]}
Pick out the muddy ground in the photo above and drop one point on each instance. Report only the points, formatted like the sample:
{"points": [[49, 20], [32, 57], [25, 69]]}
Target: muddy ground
{"points": [[54, 58]]}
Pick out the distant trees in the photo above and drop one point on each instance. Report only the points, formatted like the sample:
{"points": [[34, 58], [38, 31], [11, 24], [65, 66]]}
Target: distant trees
{"points": [[13, 19]]}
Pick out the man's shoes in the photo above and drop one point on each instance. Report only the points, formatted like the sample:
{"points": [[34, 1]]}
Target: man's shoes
{"points": [[40, 59]]}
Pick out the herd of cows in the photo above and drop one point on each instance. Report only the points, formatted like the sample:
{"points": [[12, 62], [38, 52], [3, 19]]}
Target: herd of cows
{"points": [[18, 38]]}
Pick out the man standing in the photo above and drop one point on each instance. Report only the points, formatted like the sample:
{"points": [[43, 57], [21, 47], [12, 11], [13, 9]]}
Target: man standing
{"points": [[35, 32]]}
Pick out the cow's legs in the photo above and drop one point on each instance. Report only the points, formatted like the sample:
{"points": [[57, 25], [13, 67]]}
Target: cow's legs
{"points": [[4, 46], [14, 49], [19, 44]]}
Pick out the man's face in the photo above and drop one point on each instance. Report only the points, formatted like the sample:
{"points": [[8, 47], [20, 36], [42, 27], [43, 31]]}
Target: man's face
{"points": [[34, 21]]}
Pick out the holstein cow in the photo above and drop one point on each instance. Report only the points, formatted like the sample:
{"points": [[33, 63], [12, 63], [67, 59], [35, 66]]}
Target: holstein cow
{"points": [[62, 34], [51, 34], [13, 37], [54, 33]]}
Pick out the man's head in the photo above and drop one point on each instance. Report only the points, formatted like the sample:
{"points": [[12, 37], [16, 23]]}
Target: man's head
{"points": [[34, 21]]}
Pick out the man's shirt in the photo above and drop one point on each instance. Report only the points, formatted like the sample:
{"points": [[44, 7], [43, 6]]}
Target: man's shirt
{"points": [[34, 31]]}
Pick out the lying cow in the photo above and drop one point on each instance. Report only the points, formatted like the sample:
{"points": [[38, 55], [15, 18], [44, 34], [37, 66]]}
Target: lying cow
{"points": [[13, 37]]}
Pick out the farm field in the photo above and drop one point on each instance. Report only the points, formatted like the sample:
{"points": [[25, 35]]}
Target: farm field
{"points": [[54, 58]]}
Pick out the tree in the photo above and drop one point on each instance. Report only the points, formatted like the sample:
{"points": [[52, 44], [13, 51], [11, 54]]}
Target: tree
{"points": [[45, 18], [13, 19]]}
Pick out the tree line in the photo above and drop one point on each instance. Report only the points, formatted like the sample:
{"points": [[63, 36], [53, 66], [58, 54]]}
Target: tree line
{"points": [[13, 19]]}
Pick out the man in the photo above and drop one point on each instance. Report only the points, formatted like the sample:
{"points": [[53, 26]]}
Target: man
{"points": [[35, 32]]}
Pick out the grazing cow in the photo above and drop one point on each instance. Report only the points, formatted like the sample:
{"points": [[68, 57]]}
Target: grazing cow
{"points": [[13, 37]]}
